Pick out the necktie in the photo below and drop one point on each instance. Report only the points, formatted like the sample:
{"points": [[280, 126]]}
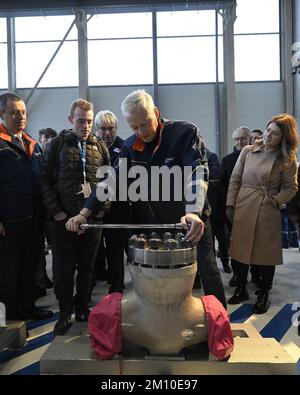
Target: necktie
{"points": [[19, 141]]}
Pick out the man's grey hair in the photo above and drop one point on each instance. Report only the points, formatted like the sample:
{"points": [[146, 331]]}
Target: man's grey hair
{"points": [[105, 116], [137, 99], [241, 129]]}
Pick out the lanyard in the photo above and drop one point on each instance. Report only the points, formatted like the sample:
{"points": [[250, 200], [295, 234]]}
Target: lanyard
{"points": [[82, 153]]}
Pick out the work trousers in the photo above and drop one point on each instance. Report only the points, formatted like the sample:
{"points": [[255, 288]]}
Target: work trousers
{"points": [[207, 266], [73, 252], [20, 254]]}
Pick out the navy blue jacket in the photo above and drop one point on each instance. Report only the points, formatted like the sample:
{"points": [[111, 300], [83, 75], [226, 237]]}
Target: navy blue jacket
{"points": [[177, 144], [20, 196], [115, 149]]}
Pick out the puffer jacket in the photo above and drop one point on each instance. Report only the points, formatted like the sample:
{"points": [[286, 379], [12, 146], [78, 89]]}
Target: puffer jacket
{"points": [[62, 172]]}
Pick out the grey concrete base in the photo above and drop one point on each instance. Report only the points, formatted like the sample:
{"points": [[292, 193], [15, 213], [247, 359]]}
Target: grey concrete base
{"points": [[72, 354], [13, 335]]}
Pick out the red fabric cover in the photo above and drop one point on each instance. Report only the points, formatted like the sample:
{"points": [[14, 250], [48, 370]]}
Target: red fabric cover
{"points": [[220, 339], [105, 326]]}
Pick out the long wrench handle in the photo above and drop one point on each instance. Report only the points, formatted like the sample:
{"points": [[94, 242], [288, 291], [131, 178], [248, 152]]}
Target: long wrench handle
{"points": [[131, 226]]}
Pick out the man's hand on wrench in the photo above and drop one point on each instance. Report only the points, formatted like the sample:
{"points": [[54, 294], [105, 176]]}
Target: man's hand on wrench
{"points": [[73, 224], [197, 226]]}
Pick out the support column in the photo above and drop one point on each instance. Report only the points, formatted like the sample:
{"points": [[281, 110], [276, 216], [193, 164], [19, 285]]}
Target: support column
{"points": [[81, 24], [229, 100], [154, 51], [286, 17], [11, 54]]}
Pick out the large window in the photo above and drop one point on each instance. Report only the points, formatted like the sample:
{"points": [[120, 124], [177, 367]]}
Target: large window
{"points": [[185, 60], [120, 49], [186, 46], [257, 40], [3, 54], [36, 41], [32, 58]]}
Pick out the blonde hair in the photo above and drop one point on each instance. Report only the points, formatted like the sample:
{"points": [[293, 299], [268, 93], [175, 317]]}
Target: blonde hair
{"points": [[81, 103]]}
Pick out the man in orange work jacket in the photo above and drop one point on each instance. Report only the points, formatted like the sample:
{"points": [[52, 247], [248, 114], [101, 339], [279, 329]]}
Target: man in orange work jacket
{"points": [[20, 212]]}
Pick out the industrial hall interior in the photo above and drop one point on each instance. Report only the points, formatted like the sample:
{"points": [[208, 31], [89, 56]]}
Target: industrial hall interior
{"points": [[149, 202]]}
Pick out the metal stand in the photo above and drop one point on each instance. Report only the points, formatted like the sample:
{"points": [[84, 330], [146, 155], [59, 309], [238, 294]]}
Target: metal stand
{"points": [[72, 354], [13, 335]]}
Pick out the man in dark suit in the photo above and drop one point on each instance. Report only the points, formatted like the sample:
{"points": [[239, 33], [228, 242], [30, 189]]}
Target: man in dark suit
{"points": [[241, 137], [21, 214], [106, 129]]}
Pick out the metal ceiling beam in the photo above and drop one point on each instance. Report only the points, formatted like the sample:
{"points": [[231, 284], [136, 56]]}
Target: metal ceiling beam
{"points": [[286, 38], [67, 7]]}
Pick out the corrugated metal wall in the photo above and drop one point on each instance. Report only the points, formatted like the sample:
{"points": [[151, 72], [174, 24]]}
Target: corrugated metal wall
{"points": [[256, 103]]}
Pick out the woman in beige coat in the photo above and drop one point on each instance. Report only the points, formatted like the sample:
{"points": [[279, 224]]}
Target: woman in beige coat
{"points": [[264, 178]]}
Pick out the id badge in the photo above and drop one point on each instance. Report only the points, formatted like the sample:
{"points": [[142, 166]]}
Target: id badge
{"points": [[86, 189]]}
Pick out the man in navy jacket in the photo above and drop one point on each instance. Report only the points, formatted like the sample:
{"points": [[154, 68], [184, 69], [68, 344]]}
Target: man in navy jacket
{"points": [[170, 144], [106, 128], [20, 212]]}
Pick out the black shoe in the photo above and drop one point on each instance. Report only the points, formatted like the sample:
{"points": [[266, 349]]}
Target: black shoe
{"points": [[233, 282], [240, 294], [226, 267], [39, 314], [197, 282], [63, 324], [82, 316], [262, 305]]}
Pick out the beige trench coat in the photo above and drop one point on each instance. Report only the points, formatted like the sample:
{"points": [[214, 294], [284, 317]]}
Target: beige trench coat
{"points": [[257, 189]]}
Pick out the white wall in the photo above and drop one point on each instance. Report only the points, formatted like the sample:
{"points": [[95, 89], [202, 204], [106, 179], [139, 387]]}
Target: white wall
{"points": [[110, 98], [48, 108], [193, 103], [256, 103]]}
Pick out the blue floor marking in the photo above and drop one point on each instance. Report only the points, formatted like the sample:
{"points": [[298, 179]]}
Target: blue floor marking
{"points": [[242, 313], [30, 370], [279, 324], [33, 344]]}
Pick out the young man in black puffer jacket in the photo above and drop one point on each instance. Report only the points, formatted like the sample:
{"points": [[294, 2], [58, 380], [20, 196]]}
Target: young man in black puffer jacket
{"points": [[68, 175]]}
